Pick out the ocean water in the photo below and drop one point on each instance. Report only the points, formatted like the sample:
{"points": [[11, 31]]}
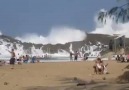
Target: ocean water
{"points": [[57, 59]]}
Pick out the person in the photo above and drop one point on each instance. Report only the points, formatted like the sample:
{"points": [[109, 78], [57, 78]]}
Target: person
{"points": [[26, 59], [71, 56], [76, 56], [20, 60], [12, 59], [85, 56], [128, 58], [99, 66], [122, 59], [117, 58], [33, 59], [18, 57]]}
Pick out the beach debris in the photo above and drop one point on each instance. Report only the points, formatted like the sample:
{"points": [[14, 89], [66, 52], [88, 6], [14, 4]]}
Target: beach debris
{"points": [[81, 82], [104, 78], [6, 83], [12, 68], [85, 82]]}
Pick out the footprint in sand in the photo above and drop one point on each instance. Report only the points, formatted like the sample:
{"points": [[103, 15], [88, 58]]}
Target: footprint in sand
{"points": [[6, 83], [2, 75]]}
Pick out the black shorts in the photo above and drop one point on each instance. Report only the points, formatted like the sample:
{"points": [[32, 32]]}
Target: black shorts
{"points": [[75, 58], [12, 61], [18, 60]]}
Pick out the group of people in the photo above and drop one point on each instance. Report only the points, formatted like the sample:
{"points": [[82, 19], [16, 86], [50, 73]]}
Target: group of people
{"points": [[75, 54], [22, 59], [122, 58], [19, 59], [99, 67]]}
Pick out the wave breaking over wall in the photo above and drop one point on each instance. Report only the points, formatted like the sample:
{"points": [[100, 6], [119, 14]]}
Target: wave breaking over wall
{"points": [[60, 35]]}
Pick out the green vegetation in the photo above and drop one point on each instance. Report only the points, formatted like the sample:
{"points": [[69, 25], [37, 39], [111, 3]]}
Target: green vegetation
{"points": [[117, 13]]}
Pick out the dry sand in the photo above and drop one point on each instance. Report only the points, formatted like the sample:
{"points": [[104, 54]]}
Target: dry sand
{"points": [[61, 76]]}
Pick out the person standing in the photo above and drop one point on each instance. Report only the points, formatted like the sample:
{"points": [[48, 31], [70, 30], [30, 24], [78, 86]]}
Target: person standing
{"points": [[12, 59], [71, 56], [76, 56]]}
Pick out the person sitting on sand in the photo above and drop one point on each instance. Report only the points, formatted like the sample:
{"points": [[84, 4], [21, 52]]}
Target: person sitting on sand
{"points": [[20, 60], [26, 59], [117, 58], [122, 59], [33, 59], [98, 67]]}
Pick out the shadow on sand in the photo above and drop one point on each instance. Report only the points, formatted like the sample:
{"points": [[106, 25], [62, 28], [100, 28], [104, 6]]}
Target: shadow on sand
{"points": [[124, 78], [127, 67], [98, 86]]}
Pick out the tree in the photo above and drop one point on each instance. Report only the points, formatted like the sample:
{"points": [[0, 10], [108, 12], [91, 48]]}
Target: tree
{"points": [[118, 13]]}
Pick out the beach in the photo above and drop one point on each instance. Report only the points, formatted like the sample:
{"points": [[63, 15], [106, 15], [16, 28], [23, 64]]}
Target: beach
{"points": [[61, 76]]}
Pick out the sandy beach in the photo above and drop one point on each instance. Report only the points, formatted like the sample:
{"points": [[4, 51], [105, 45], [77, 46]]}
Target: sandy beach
{"points": [[61, 76]]}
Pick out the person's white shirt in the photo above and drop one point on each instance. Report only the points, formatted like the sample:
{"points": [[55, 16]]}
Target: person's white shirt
{"points": [[18, 56]]}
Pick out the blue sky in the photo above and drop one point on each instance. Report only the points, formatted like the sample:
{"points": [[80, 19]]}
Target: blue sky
{"points": [[18, 17]]}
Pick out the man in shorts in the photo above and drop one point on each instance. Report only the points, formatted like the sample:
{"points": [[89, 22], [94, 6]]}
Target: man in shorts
{"points": [[12, 59]]}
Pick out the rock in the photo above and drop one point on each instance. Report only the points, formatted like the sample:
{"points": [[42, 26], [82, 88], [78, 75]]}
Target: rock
{"points": [[6, 83], [92, 82], [104, 78], [81, 84], [75, 78]]}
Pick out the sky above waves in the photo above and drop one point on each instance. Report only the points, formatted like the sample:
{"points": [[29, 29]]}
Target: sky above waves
{"points": [[18, 17]]}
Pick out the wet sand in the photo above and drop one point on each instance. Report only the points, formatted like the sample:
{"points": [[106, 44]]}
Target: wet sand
{"points": [[63, 76]]}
